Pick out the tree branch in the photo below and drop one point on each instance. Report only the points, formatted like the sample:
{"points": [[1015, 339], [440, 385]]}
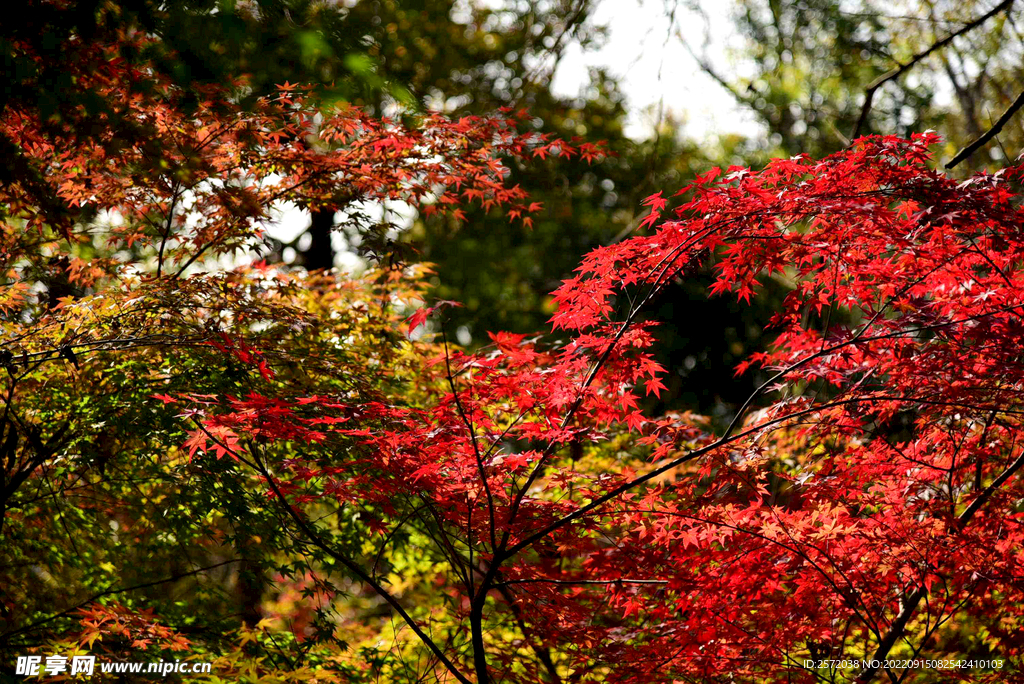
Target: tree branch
{"points": [[351, 565], [989, 134], [869, 93], [896, 630], [111, 592]]}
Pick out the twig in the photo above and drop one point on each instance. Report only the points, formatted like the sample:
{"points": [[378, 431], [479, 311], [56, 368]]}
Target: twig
{"points": [[314, 538], [122, 590], [914, 599], [869, 93], [167, 232], [989, 134]]}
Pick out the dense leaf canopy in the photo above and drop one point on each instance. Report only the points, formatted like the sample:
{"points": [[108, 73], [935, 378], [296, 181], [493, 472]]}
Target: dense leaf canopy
{"points": [[301, 474]]}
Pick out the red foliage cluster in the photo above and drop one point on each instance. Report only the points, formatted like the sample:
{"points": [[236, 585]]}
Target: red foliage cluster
{"points": [[193, 179]]}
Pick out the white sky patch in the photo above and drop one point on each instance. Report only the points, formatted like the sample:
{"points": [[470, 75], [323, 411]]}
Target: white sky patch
{"points": [[287, 221], [653, 66]]}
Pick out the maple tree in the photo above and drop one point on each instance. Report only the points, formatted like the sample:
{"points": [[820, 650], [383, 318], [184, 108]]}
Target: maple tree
{"points": [[173, 411]]}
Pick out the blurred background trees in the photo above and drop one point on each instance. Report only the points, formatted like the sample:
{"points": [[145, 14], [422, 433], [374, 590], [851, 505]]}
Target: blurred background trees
{"points": [[807, 65]]}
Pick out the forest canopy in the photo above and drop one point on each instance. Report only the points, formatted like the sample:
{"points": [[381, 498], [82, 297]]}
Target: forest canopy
{"points": [[337, 344]]}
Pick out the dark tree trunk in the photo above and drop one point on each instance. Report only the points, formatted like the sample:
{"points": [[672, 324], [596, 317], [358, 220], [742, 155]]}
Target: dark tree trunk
{"points": [[251, 585], [320, 255]]}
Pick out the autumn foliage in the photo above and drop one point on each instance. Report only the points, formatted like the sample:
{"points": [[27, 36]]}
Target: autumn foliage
{"points": [[864, 505], [515, 513]]}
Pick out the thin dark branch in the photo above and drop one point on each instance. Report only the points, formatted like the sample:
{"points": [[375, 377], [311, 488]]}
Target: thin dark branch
{"points": [[691, 455], [481, 470], [538, 645], [167, 232], [314, 538], [914, 599], [989, 134], [111, 592], [869, 92], [544, 580]]}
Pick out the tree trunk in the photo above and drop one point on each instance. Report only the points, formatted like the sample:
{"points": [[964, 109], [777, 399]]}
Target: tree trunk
{"points": [[320, 255]]}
